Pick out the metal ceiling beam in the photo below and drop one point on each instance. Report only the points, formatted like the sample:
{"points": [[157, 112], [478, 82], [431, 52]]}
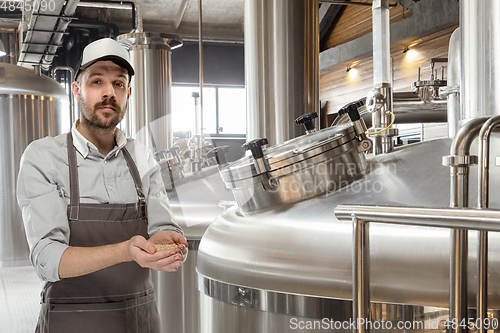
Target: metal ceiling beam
{"points": [[180, 14], [327, 15]]}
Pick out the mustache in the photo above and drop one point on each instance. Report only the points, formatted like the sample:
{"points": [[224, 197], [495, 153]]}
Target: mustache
{"points": [[107, 102]]}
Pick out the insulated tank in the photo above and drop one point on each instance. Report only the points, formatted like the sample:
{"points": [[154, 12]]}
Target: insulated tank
{"points": [[281, 260], [148, 117], [196, 199], [32, 106]]}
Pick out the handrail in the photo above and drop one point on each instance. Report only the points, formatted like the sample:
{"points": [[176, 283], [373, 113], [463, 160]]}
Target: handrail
{"points": [[361, 215]]}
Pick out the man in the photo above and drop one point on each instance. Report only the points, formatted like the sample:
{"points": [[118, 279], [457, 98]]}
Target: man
{"points": [[90, 200]]}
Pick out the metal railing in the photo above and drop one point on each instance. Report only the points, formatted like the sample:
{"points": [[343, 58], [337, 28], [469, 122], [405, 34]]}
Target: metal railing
{"points": [[453, 218], [457, 218]]}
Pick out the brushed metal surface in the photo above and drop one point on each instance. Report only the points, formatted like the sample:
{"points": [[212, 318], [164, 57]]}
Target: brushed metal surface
{"points": [[31, 107], [149, 111], [282, 66], [228, 308], [480, 79], [304, 249], [196, 200]]}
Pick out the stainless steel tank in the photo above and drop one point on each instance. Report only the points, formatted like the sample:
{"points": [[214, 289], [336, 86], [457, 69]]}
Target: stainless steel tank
{"points": [[270, 269], [32, 106], [289, 267], [196, 199], [281, 66], [149, 111], [480, 79]]}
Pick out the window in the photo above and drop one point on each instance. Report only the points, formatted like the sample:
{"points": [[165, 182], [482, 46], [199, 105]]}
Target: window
{"points": [[224, 110]]}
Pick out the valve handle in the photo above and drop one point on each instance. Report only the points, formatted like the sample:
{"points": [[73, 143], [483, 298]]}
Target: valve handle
{"points": [[174, 151], [307, 120], [352, 110], [255, 146], [219, 153]]}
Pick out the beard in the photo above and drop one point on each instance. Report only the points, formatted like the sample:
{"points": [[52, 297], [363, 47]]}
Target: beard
{"points": [[89, 113]]}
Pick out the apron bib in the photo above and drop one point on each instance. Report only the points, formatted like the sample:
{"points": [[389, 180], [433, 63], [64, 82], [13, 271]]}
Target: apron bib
{"points": [[117, 299]]}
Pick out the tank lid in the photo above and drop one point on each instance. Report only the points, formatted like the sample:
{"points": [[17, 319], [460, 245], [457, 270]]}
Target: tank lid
{"points": [[16, 80], [291, 152]]}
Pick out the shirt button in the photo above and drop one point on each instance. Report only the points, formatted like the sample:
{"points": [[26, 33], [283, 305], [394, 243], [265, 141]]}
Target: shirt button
{"points": [[105, 162], [111, 188]]}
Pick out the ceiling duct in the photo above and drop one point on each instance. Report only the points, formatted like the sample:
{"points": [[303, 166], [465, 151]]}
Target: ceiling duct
{"points": [[43, 27]]}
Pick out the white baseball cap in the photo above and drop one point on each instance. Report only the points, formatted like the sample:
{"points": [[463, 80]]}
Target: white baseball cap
{"points": [[102, 50]]}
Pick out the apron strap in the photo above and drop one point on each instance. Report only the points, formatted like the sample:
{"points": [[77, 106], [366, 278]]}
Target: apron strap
{"points": [[135, 175], [73, 179]]}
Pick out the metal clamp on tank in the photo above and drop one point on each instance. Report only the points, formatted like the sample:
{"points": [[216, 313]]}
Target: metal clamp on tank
{"points": [[175, 163], [261, 164], [308, 121], [219, 153], [359, 124]]}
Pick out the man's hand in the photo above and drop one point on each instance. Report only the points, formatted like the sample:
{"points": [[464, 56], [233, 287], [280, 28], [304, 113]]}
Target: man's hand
{"points": [[144, 252]]}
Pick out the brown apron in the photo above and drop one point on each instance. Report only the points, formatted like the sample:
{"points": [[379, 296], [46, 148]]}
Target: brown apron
{"points": [[117, 299]]}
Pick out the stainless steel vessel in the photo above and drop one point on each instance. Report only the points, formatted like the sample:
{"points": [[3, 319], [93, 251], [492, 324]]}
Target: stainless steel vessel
{"points": [[149, 107], [289, 267], [196, 199], [294, 262], [32, 107], [281, 65]]}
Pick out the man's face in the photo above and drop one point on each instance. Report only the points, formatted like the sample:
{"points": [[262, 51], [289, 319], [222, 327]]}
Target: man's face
{"points": [[103, 93]]}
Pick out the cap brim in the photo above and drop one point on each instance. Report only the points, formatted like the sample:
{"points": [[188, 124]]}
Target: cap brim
{"points": [[117, 60]]}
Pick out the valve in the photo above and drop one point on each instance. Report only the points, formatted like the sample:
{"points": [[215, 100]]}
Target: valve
{"points": [[359, 124], [255, 147], [220, 155], [308, 121], [261, 164], [352, 110]]}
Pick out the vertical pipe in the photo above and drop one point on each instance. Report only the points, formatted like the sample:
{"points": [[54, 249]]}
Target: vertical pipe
{"points": [[200, 111], [454, 64], [73, 111], [150, 102], [483, 202], [381, 43], [360, 275], [382, 79], [459, 198]]}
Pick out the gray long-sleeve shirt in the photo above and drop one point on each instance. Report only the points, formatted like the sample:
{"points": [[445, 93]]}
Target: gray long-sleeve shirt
{"points": [[43, 191]]}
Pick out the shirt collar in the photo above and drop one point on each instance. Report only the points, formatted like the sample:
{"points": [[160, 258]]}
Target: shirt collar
{"points": [[83, 145]]}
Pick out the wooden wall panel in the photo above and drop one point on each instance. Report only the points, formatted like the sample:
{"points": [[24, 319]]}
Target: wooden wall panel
{"points": [[339, 87], [355, 22]]}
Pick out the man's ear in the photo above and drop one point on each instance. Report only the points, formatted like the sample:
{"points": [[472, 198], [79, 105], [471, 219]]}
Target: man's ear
{"points": [[129, 92], [75, 88]]}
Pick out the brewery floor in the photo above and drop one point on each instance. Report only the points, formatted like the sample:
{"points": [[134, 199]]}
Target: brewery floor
{"points": [[19, 299]]}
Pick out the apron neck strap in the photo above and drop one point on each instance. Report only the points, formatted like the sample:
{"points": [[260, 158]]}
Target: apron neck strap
{"points": [[73, 178], [135, 174]]}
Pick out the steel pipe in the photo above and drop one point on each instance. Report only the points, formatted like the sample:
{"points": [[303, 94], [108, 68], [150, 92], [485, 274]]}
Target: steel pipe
{"points": [[460, 220], [129, 5], [360, 274], [74, 113], [452, 218], [408, 107], [459, 163], [483, 202]]}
